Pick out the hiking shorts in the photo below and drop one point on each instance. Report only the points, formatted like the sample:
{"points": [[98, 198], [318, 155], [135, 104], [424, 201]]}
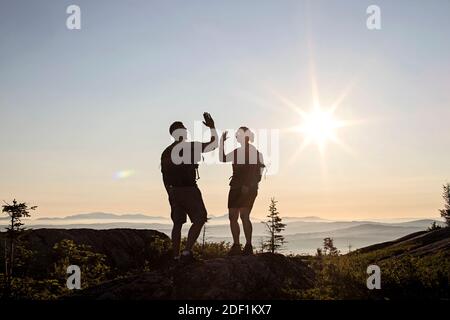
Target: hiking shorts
{"points": [[187, 201], [239, 199]]}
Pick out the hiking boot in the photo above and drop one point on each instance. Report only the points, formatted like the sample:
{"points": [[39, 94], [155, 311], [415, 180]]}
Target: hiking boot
{"points": [[187, 257], [235, 250], [248, 250]]}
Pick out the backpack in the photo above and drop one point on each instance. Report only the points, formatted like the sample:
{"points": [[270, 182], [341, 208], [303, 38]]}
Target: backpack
{"points": [[247, 174], [177, 175]]}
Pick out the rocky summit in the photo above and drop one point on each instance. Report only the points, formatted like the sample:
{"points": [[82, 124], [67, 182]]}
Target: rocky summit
{"points": [[262, 276]]}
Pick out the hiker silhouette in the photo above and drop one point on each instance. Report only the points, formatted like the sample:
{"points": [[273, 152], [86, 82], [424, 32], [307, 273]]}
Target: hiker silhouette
{"points": [[248, 164], [179, 167]]}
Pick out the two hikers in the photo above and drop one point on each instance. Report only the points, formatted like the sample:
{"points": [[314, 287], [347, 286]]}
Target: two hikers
{"points": [[179, 167]]}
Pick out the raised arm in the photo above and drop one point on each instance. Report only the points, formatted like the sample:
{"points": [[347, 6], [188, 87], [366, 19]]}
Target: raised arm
{"points": [[214, 141], [222, 156]]}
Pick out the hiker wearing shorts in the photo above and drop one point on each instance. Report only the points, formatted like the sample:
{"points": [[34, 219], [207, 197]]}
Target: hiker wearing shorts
{"points": [[248, 165], [179, 167]]}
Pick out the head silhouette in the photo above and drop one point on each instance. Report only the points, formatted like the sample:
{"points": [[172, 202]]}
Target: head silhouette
{"points": [[178, 131], [244, 135]]}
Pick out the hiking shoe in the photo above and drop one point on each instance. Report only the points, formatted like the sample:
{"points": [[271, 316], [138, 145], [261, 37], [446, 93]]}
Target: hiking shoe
{"points": [[235, 250], [248, 250], [187, 257]]}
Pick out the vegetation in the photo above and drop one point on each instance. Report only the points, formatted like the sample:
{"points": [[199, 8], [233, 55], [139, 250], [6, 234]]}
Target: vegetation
{"points": [[329, 248], [203, 239], [210, 250], [93, 267], [434, 226], [25, 285], [403, 276], [16, 211], [274, 227], [445, 213], [344, 277]]}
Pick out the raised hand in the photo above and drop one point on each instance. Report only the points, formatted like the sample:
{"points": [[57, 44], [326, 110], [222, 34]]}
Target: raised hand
{"points": [[209, 122], [224, 136]]}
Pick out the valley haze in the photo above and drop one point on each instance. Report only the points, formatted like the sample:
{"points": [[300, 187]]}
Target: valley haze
{"points": [[303, 234]]}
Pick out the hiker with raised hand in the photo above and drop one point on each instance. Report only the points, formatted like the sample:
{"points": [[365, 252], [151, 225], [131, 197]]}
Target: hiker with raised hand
{"points": [[248, 166], [179, 167]]}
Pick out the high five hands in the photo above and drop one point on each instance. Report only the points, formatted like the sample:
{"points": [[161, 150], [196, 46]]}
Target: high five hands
{"points": [[224, 136], [209, 122]]}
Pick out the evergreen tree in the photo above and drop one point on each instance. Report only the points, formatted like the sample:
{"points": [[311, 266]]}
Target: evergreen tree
{"points": [[16, 211], [328, 247], [434, 226], [445, 213], [274, 227]]}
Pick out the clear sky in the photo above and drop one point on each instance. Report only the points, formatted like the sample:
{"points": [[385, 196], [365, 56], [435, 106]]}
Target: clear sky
{"points": [[78, 106]]}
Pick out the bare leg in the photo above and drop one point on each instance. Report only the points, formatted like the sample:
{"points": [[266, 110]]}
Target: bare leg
{"points": [[176, 238], [247, 224], [193, 234], [234, 224]]}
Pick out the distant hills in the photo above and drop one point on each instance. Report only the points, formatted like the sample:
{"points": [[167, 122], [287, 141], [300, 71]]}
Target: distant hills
{"points": [[103, 215], [303, 234], [305, 219], [351, 237]]}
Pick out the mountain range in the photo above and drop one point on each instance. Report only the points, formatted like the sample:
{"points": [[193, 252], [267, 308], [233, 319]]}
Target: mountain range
{"points": [[103, 215], [302, 234]]}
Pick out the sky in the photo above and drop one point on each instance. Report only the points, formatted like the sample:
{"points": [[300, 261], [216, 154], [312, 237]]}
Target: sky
{"points": [[85, 113]]}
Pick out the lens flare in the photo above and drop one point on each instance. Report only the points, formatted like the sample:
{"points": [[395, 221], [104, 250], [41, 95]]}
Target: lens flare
{"points": [[123, 174]]}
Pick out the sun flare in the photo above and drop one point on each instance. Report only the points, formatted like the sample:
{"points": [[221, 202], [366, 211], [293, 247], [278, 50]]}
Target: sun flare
{"points": [[318, 127]]}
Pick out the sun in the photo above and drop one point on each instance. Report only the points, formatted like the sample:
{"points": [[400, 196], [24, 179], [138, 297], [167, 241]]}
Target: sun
{"points": [[318, 127]]}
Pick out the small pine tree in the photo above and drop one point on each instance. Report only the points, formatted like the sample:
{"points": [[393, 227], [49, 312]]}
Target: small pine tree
{"points": [[274, 227], [16, 211], [445, 213], [328, 247], [434, 226]]}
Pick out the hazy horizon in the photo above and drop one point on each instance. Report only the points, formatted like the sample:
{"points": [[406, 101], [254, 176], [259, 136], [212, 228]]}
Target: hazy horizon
{"points": [[303, 235], [85, 113], [130, 217]]}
